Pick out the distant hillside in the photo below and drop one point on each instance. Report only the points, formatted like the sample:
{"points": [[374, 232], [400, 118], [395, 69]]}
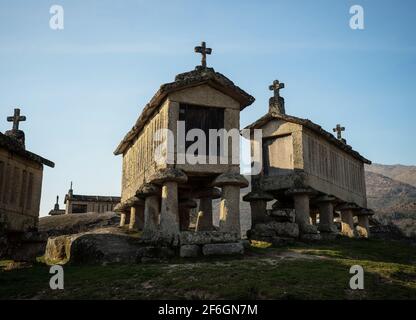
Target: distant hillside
{"points": [[393, 201], [384, 192], [405, 174]]}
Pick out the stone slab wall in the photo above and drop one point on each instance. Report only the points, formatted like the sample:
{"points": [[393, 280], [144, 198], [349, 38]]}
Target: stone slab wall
{"points": [[139, 161], [20, 192], [332, 170]]}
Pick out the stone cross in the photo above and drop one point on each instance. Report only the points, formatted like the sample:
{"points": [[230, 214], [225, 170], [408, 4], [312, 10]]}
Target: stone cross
{"points": [[16, 118], [338, 129], [275, 87], [203, 50]]}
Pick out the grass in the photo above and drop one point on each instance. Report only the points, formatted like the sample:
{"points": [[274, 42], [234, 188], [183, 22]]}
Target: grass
{"points": [[301, 271]]}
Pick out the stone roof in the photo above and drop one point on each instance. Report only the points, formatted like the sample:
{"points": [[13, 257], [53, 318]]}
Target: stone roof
{"points": [[81, 197], [312, 126], [14, 146], [194, 78]]}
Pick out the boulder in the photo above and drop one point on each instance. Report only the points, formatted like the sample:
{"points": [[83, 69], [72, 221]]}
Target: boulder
{"points": [[147, 254], [204, 237], [308, 229], [310, 237], [274, 228], [98, 247], [283, 215], [190, 251], [76, 223], [219, 249]]}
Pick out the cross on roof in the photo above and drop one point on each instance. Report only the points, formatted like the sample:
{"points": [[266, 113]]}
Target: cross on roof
{"points": [[338, 129], [275, 87], [16, 118], [203, 50]]}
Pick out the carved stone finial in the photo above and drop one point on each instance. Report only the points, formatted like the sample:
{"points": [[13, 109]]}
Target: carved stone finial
{"points": [[277, 103]]}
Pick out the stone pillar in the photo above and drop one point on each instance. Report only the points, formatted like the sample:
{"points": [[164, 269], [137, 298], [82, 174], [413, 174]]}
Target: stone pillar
{"points": [[122, 219], [258, 205], [347, 219], [326, 214], [122, 209], [302, 209], [314, 215], [185, 207], [205, 196], [139, 223], [363, 228], [150, 194], [169, 211], [131, 205], [230, 201]]}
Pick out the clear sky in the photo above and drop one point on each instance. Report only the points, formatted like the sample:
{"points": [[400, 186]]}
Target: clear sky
{"points": [[83, 87]]}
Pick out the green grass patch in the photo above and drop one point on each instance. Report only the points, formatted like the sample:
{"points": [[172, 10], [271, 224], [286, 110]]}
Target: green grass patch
{"points": [[301, 271]]}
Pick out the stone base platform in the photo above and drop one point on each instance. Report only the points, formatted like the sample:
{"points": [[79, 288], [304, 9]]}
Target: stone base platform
{"points": [[113, 245]]}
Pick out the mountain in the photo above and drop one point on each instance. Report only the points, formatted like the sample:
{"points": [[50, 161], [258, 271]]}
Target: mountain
{"points": [[392, 200], [384, 193], [405, 174]]}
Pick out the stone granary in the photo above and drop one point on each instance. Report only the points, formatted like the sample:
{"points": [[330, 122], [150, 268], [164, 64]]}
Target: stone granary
{"points": [[21, 173], [56, 211], [158, 195], [310, 173], [79, 203]]}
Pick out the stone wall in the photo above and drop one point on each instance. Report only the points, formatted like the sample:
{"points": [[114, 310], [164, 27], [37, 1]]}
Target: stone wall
{"points": [[138, 161], [332, 170], [20, 192]]}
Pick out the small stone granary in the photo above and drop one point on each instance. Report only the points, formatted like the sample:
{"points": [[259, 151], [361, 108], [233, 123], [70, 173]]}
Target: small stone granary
{"points": [[79, 203], [311, 174], [21, 173], [158, 195]]}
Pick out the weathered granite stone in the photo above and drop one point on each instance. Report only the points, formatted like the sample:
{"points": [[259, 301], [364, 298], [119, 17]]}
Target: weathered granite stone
{"points": [[309, 229], [281, 241], [99, 247], [190, 251], [154, 253], [328, 228], [283, 215], [273, 228], [76, 223], [310, 237], [169, 174], [230, 179], [205, 237], [246, 243], [215, 249]]}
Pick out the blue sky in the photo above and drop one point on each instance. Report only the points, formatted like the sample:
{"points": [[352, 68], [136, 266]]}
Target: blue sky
{"points": [[83, 87]]}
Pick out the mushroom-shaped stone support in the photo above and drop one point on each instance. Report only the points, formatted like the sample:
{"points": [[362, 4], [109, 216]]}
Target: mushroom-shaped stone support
{"points": [[150, 193], [258, 204], [136, 205], [204, 220], [169, 175], [185, 207], [325, 206], [169, 212], [230, 200], [363, 228], [348, 210], [122, 208], [301, 198]]}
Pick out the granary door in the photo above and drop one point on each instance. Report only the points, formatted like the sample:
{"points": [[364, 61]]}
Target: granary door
{"points": [[201, 117], [278, 155]]}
